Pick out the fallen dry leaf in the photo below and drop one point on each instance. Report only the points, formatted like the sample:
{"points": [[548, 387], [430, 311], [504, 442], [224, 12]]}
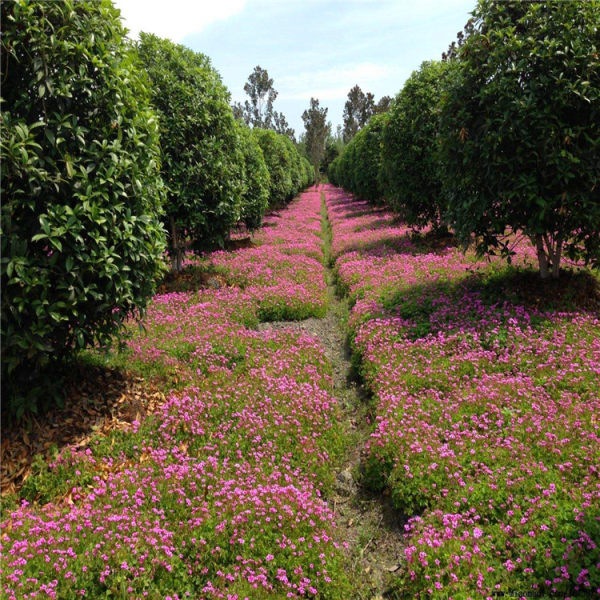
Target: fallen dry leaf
{"points": [[99, 401]]}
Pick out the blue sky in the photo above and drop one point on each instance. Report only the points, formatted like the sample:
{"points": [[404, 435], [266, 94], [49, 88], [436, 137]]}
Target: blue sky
{"points": [[318, 48]]}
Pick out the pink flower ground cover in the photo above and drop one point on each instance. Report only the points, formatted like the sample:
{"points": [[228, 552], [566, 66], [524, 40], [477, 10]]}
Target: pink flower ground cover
{"points": [[283, 276], [220, 494], [487, 434]]}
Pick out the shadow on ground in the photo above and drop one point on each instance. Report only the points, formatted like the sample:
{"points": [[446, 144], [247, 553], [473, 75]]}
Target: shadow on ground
{"points": [[97, 400]]}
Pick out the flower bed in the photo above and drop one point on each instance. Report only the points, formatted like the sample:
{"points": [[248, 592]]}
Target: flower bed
{"points": [[487, 433], [220, 493]]}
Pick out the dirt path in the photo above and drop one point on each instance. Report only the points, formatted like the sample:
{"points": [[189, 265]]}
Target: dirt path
{"points": [[372, 530]]}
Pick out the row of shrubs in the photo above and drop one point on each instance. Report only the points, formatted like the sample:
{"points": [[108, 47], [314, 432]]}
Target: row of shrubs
{"points": [[502, 136], [112, 152]]}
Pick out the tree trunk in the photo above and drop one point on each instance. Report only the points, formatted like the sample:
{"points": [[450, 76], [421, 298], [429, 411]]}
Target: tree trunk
{"points": [[440, 229], [175, 250], [542, 256], [556, 264], [556, 256]]}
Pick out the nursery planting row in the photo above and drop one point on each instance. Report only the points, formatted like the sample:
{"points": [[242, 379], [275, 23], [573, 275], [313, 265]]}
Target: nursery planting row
{"points": [[95, 192], [486, 432], [219, 494], [486, 140]]}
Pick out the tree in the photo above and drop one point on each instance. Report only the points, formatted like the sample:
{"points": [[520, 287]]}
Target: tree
{"points": [[279, 164], [258, 111], [296, 170], [280, 125], [357, 169], [357, 111], [359, 108], [452, 52], [384, 104], [367, 165], [411, 170], [81, 191], [334, 146], [238, 112], [521, 129], [317, 129], [333, 171], [308, 172], [201, 157], [330, 154]]}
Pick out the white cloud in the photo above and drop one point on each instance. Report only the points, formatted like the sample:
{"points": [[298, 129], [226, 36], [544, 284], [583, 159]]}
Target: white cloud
{"points": [[332, 84], [174, 19]]}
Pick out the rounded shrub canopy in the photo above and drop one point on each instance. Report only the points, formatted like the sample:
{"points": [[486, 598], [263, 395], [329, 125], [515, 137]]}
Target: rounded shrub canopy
{"points": [[256, 179], [81, 190], [279, 164], [333, 171], [411, 168], [295, 167], [308, 172], [357, 168], [367, 159], [199, 139], [521, 129]]}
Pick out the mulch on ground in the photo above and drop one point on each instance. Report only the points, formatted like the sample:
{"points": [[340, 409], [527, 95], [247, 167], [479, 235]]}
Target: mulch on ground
{"points": [[97, 401]]}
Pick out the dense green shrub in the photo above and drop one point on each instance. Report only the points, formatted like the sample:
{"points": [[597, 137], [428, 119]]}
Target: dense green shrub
{"points": [[521, 129], [332, 151], [333, 169], [367, 159], [202, 163], [411, 173], [279, 162], [81, 191], [357, 168], [256, 180], [344, 167], [308, 177], [337, 169], [295, 167], [349, 163]]}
